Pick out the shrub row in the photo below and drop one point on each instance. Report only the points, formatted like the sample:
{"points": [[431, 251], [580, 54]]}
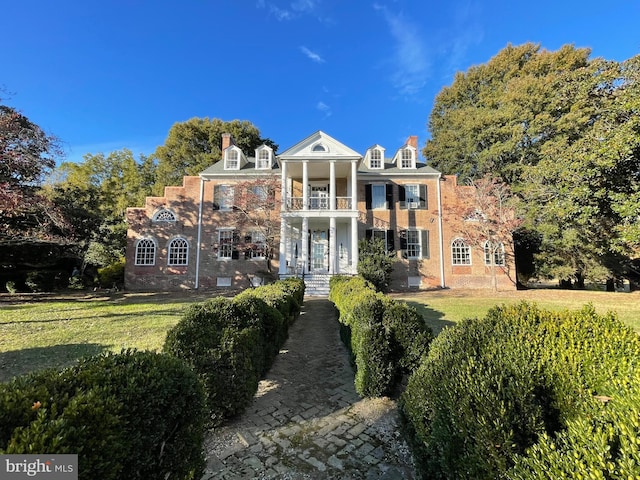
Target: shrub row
{"points": [[134, 415], [387, 339], [527, 394], [231, 343]]}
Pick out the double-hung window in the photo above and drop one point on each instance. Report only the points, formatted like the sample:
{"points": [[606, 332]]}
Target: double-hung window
{"points": [[378, 196], [257, 245], [375, 161], [226, 241], [232, 161], [264, 159], [223, 197], [406, 159]]}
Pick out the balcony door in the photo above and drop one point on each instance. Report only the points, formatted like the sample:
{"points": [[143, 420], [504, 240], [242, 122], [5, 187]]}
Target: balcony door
{"points": [[319, 197]]}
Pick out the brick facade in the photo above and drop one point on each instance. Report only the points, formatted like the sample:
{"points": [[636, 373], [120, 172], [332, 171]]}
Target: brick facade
{"points": [[320, 227]]}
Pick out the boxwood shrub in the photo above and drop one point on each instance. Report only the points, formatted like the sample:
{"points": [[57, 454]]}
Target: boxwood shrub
{"points": [[230, 343], [136, 415], [387, 339], [518, 394]]}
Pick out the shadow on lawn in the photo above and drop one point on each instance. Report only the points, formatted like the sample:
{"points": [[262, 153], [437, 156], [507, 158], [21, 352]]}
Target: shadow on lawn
{"points": [[19, 362], [433, 318]]}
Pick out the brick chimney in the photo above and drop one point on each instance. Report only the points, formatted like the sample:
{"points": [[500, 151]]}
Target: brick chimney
{"points": [[413, 141], [227, 141]]}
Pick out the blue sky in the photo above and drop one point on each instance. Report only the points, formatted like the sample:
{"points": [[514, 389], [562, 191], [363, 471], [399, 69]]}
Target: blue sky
{"points": [[117, 74]]}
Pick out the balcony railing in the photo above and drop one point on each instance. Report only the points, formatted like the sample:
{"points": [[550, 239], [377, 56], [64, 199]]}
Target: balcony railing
{"points": [[318, 203]]}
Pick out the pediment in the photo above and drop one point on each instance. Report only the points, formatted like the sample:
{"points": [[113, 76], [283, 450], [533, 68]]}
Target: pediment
{"points": [[319, 146]]}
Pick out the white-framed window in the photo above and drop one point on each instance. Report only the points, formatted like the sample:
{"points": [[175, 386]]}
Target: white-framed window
{"points": [[259, 193], [319, 147], [375, 160], [178, 252], [413, 244], [406, 158], [226, 243], [164, 215], [412, 196], [145, 252], [263, 161], [223, 197], [378, 196], [460, 252], [493, 253], [257, 245], [232, 159]]}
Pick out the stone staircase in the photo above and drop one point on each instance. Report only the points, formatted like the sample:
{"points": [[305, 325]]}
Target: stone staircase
{"points": [[317, 285]]}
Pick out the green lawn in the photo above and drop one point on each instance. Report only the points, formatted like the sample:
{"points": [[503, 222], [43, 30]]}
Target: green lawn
{"points": [[443, 308], [55, 331]]}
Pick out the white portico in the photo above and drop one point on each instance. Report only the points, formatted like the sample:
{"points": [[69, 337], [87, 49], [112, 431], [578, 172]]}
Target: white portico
{"points": [[319, 228]]}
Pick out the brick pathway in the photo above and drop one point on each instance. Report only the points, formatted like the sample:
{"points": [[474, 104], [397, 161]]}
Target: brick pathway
{"points": [[306, 421]]}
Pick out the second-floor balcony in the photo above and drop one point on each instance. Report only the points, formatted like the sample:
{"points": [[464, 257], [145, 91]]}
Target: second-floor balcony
{"points": [[318, 203]]}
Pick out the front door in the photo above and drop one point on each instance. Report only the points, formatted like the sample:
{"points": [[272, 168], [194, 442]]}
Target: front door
{"points": [[319, 251]]}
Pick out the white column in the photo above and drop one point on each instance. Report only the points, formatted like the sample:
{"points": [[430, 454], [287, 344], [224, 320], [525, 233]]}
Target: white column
{"points": [[332, 185], [441, 240], [282, 254], [198, 242], [332, 245], [354, 186], [354, 245], [305, 245], [284, 196], [305, 185]]}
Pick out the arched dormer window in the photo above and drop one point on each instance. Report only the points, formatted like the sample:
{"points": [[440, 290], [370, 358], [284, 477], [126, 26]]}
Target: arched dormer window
{"points": [[375, 159], [407, 159], [178, 252], [145, 252], [232, 159], [319, 147], [263, 159], [164, 215]]}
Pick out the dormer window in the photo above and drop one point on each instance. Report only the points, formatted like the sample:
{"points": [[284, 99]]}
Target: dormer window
{"points": [[375, 161], [164, 215], [406, 158], [319, 147], [263, 160], [232, 159]]}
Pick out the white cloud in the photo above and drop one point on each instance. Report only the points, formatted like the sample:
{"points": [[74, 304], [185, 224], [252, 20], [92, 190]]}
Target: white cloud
{"points": [[467, 33], [324, 108], [292, 9], [311, 55], [411, 59]]}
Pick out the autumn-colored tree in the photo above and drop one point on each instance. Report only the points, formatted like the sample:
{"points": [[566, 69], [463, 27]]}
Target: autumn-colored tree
{"points": [[256, 212], [486, 218]]}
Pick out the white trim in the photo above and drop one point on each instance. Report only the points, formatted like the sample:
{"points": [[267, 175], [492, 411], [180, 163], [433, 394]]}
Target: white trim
{"points": [[155, 252], [441, 240], [197, 279]]}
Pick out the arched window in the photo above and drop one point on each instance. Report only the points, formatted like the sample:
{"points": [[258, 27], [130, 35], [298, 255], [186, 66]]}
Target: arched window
{"points": [[178, 252], [493, 252], [264, 159], [407, 159], [319, 147], [145, 252], [460, 252], [164, 215], [232, 162]]}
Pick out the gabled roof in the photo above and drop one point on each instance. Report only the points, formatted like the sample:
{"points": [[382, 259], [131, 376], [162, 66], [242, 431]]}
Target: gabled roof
{"points": [[319, 145]]}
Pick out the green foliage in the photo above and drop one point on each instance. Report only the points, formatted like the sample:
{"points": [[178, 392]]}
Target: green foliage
{"points": [[230, 343], [11, 286], [112, 274], [375, 263], [194, 145], [505, 391], [41, 281], [386, 338], [135, 415]]}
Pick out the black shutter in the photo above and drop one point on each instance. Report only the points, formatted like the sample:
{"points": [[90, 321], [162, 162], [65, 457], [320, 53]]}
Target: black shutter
{"points": [[389, 188], [423, 196], [403, 239], [391, 244], [216, 205], [402, 196], [367, 196], [368, 234], [425, 243]]}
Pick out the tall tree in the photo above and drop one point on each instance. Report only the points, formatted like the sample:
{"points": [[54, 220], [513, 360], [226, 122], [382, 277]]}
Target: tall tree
{"points": [[194, 145]]}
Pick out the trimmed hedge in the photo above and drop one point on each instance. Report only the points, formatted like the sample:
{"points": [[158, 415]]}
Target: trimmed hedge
{"points": [[231, 343], [135, 415], [387, 339], [526, 393]]}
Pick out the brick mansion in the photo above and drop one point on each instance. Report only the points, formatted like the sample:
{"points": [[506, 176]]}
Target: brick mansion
{"points": [[328, 198]]}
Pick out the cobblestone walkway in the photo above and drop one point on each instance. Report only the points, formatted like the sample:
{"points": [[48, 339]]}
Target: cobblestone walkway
{"points": [[306, 421]]}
